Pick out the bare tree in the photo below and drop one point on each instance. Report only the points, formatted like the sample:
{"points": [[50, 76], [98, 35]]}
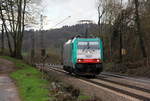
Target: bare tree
{"points": [[2, 39], [101, 11], [138, 29], [13, 17]]}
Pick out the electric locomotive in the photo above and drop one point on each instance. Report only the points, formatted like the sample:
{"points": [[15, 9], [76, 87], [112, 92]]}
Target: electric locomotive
{"points": [[83, 56]]}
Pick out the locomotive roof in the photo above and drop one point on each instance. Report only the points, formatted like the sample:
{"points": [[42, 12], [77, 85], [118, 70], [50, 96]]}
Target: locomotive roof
{"points": [[86, 39], [81, 39]]}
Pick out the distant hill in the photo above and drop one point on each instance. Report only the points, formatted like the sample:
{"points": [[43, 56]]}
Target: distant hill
{"points": [[56, 37]]}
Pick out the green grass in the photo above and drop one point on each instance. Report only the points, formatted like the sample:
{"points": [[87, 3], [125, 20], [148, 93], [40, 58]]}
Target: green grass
{"points": [[83, 98], [29, 82]]}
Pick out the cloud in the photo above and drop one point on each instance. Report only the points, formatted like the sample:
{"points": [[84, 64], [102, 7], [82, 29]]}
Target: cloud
{"points": [[38, 2], [59, 1], [57, 10]]}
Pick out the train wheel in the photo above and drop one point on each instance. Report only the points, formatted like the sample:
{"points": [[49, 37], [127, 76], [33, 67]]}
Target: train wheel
{"points": [[92, 76], [69, 73]]}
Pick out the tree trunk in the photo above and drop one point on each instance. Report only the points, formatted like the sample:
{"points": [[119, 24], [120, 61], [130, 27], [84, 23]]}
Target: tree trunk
{"points": [[138, 29], [9, 43], [121, 46], [2, 40]]}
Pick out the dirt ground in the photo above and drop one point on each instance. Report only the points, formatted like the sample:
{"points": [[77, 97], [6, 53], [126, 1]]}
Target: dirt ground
{"points": [[8, 89], [6, 66]]}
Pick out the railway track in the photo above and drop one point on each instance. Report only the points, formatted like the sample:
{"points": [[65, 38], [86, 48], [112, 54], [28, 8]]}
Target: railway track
{"points": [[126, 85], [140, 93], [126, 77]]}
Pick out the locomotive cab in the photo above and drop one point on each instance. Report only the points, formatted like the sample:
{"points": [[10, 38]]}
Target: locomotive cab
{"points": [[83, 56], [89, 57]]}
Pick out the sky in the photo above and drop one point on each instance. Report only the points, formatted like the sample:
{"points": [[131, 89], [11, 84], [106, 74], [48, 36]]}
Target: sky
{"points": [[70, 10]]}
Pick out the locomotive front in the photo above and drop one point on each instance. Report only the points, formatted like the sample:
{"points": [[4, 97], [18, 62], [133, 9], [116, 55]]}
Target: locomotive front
{"points": [[88, 56]]}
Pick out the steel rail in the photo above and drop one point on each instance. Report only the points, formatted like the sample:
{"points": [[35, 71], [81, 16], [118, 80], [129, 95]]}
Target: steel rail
{"points": [[111, 87], [126, 77], [123, 84]]}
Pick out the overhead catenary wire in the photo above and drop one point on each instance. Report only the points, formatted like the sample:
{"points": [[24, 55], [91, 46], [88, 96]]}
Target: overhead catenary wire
{"points": [[62, 21]]}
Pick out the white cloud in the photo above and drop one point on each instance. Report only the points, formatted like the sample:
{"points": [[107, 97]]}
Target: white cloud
{"points": [[58, 10]]}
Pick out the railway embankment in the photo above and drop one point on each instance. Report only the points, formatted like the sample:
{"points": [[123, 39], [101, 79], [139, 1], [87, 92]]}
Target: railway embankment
{"points": [[134, 69], [50, 83], [93, 89], [34, 85]]}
